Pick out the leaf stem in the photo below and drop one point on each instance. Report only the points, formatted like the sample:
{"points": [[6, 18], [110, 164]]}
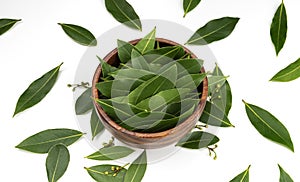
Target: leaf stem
{"points": [[82, 84], [212, 151]]}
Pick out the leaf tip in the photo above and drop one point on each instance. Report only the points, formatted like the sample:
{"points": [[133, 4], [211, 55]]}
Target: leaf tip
{"points": [[244, 101], [248, 167]]}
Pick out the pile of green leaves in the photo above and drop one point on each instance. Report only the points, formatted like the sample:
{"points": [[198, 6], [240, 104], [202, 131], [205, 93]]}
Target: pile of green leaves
{"points": [[154, 88]]}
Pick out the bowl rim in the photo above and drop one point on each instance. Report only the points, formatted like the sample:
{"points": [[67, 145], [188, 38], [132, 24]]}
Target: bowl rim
{"points": [[102, 114]]}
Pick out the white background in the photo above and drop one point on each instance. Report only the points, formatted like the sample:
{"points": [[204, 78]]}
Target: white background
{"points": [[38, 44]]}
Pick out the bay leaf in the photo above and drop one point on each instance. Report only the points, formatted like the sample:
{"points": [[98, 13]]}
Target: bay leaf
{"points": [[222, 97], [158, 83], [198, 140], [213, 115], [188, 65], [117, 111], [132, 74], [163, 98], [124, 51], [105, 173], [168, 123], [79, 34], [6, 24], [37, 90], [137, 169], [44, 140], [163, 55], [278, 28], [84, 103], [106, 68], [117, 88], [147, 43], [57, 162], [191, 81], [284, 176], [291, 72], [138, 61], [124, 13], [268, 125], [213, 31], [111, 153], [96, 124], [215, 82], [189, 5], [144, 120], [242, 177]]}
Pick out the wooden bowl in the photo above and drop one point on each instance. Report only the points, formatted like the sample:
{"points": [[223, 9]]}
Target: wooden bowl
{"points": [[148, 140]]}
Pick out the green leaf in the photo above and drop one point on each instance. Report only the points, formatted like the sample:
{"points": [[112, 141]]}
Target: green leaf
{"points": [[6, 24], [213, 31], [124, 51], [117, 111], [84, 103], [284, 177], [137, 169], [147, 43], [189, 5], [158, 83], [44, 140], [198, 140], [215, 82], [111, 153], [144, 120], [96, 124], [190, 81], [169, 123], [212, 115], [242, 177], [163, 98], [222, 98], [138, 61], [107, 173], [189, 66], [133, 74], [79, 34], [291, 72], [116, 88], [268, 125], [279, 28], [106, 68], [124, 13], [163, 55], [37, 90], [57, 162]]}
